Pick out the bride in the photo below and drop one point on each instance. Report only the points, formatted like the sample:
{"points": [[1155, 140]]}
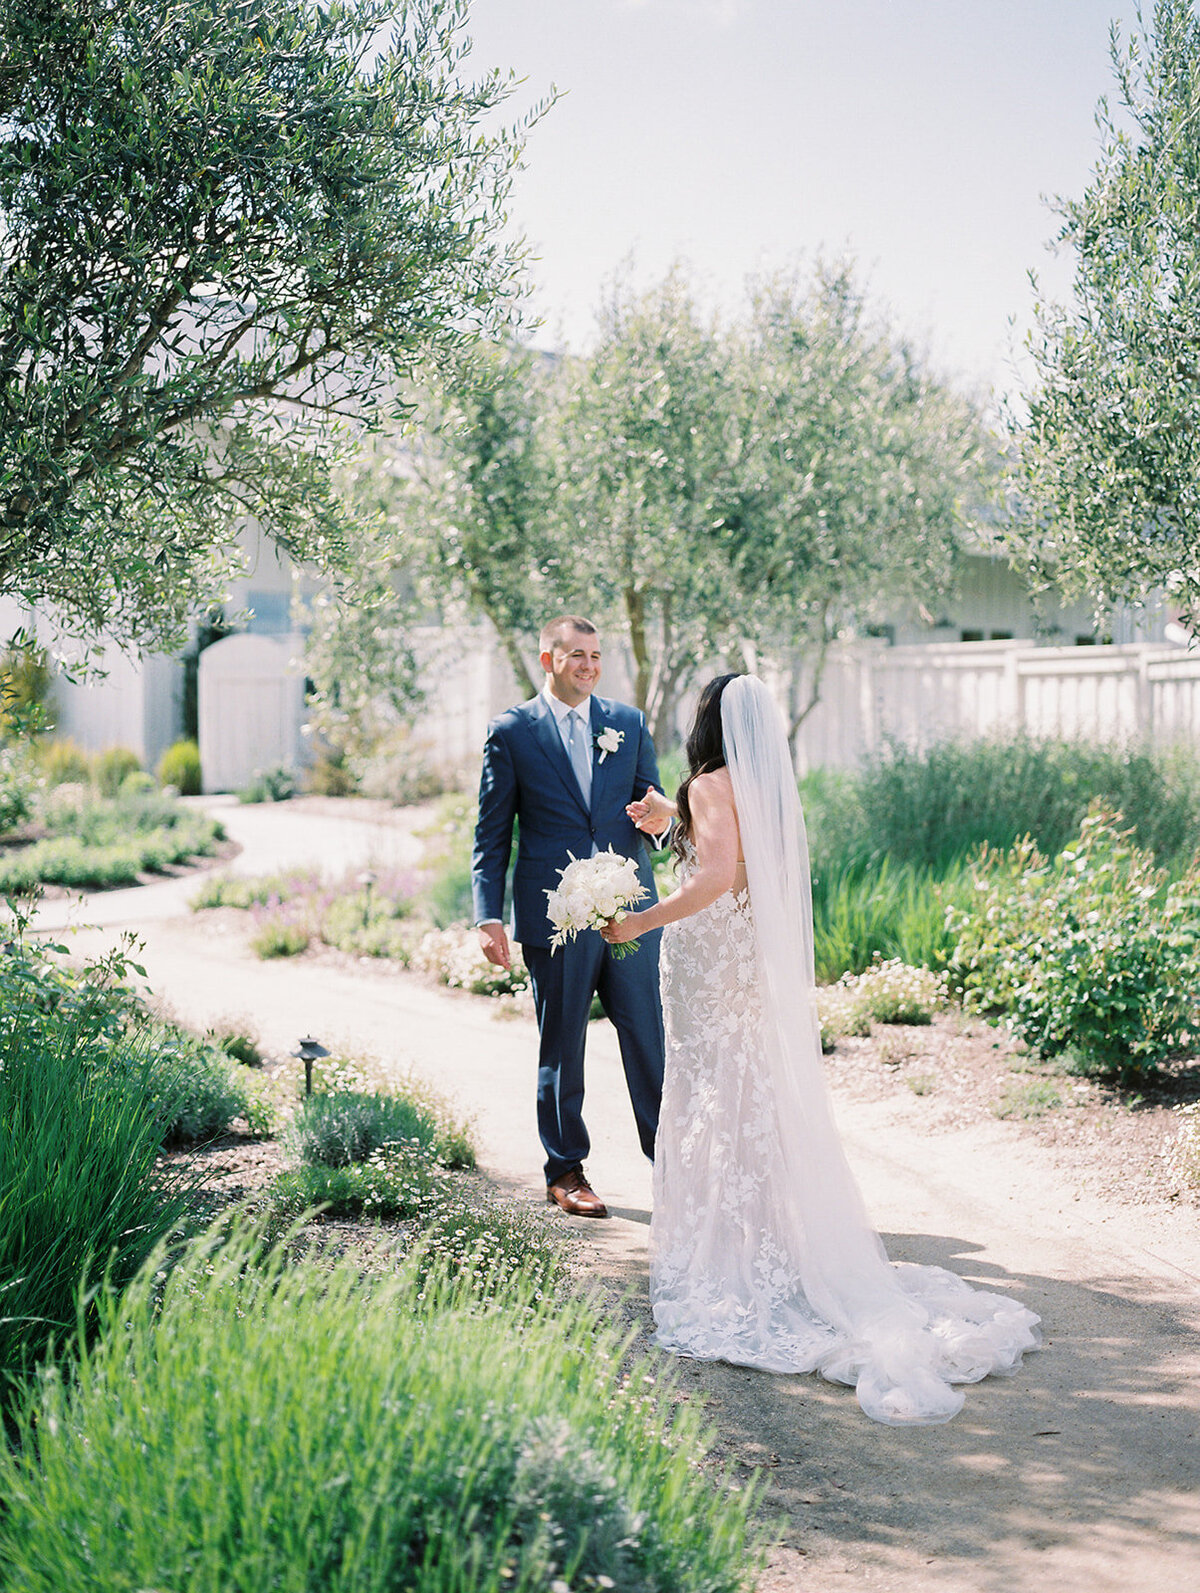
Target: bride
{"points": [[762, 1253]]}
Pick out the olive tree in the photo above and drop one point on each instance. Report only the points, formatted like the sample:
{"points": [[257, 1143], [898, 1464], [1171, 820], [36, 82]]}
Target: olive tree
{"points": [[1108, 492], [859, 475], [227, 232]]}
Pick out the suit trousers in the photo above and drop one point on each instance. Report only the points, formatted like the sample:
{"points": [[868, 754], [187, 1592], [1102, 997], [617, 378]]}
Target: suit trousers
{"points": [[564, 982]]}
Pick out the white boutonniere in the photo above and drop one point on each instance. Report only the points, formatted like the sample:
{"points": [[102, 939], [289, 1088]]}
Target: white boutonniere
{"points": [[608, 741]]}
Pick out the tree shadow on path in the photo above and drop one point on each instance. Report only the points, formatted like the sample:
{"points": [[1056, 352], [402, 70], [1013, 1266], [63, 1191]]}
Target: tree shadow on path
{"points": [[1080, 1472]]}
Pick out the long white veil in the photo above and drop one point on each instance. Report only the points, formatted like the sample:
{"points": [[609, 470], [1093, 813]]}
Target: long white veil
{"points": [[904, 1334]]}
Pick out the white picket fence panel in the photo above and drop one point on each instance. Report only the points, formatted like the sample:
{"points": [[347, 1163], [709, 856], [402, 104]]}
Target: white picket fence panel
{"points": [[921, 695]]}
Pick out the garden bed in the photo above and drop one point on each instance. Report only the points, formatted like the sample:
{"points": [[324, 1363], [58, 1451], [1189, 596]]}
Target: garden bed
{"points": [[959, 1070]]}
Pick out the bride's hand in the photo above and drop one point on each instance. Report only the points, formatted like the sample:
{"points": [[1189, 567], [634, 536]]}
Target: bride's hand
{"points": [[653, 813], [621, 928]]}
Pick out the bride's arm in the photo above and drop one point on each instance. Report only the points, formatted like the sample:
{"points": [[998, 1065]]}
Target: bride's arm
{"points": [[715, 835]]}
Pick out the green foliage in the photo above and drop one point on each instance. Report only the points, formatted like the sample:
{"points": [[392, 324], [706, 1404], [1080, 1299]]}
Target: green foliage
{"points": [[269, 785], [388, 1185], [97, 843], [242, 891], [645, 440], [24, 688], [1109, 490], [18, 784], [451, 1141], [344, 1126], [843, 430], [360, 1435], [239, 1043], [112, 767], [84, 1105], [1091, 955], [179, 766], [1028, 1099], [497, 1245], [939, 805], [207, 1092], [264, 202], [864, 911], [62, 761], [277, 934]]}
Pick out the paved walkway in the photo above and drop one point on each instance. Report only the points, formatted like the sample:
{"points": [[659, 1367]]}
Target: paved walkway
{"points": [[1079, 1475]]}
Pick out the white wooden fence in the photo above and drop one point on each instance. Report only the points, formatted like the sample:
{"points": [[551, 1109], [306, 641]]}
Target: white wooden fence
{"points": [[919, 695]]}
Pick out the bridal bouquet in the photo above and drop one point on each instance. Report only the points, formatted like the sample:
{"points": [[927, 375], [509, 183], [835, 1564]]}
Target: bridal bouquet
{"points": [[591, 890]]}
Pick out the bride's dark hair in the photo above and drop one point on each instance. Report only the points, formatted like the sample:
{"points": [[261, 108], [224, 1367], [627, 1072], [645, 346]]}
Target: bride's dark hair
{"points": [[705, 751]]}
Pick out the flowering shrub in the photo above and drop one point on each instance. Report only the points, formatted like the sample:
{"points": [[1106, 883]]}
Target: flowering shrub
{"points": [[1091, 955], [279, 934], [455, 957], [887, 992], [389, 1184], [362, 913]]}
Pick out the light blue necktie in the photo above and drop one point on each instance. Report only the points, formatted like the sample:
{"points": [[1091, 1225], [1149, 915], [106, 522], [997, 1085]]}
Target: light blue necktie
{"points": [[577, 750]]}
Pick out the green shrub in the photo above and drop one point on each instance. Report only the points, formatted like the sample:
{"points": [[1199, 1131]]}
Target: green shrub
{"points": [[112, 767], [238, 1042], [1091, 955], [179, 766], [242, 1425], [344, 1126], [269, 785], [64, 762], [207, 1093], [368, 924], [279, 936], [18, 782], [497, 1244], [81, 1185], [25, 689], [893, 992], [329, 775], [887, 992], [244, 892], [386, 1186]]}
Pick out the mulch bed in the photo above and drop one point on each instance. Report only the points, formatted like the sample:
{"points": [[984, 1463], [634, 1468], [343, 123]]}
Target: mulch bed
{"points": [[963, 1070]]}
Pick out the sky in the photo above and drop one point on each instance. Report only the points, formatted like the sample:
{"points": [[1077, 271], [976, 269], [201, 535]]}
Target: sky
{"points": [[739, 136]]}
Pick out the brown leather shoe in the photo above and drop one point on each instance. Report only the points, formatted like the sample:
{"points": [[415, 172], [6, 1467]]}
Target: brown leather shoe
{"points": [[575, 1195]]}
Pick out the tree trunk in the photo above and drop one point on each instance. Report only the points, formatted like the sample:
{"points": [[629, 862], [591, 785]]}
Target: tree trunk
{"points": [[799, 714], [508, 640], [635, 617]]}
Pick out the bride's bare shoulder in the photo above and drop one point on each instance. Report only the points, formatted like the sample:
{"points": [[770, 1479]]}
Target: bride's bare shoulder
{"points": [[715, 786]]}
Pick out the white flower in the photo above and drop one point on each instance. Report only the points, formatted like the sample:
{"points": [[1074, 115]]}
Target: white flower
{"points": [[609, 739], [592, 890]]}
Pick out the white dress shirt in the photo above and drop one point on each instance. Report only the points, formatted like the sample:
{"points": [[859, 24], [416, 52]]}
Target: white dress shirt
{"points": [[560, 711]]}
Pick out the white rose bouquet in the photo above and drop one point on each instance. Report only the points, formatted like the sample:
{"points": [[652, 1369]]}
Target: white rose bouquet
{"points": [[591, 890]]}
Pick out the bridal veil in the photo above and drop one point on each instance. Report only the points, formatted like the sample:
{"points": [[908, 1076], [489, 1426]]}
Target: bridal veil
{"points": [[904, 1335]]}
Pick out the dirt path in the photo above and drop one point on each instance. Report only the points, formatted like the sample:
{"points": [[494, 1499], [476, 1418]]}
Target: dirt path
{"points": [[1079, 1475]]}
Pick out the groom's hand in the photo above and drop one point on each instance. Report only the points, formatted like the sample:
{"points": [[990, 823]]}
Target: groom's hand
{"points": [[494, 941], [652, 814]]}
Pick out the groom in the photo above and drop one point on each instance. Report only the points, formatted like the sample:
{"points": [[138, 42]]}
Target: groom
{"points": [[564, 766]]}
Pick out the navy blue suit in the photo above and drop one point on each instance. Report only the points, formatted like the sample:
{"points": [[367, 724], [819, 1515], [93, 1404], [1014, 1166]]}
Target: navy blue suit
{"points": [[527, 777]]}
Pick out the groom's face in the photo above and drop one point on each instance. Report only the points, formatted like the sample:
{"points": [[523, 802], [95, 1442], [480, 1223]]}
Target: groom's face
{"points": [[573, 665]]}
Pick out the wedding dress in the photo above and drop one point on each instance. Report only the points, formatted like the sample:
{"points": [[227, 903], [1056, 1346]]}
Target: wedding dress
{"points": [[762, 1253]]}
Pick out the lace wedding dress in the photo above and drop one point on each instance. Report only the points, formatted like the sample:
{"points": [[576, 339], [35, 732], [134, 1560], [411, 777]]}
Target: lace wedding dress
{"points": [[762, 1253]]}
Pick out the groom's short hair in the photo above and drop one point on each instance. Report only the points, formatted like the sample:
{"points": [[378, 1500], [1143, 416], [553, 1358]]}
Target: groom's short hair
{"points": [[554, 632]]}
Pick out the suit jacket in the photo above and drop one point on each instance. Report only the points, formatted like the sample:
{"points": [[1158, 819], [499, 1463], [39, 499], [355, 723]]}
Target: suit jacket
{"points": [[527, 776]]}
